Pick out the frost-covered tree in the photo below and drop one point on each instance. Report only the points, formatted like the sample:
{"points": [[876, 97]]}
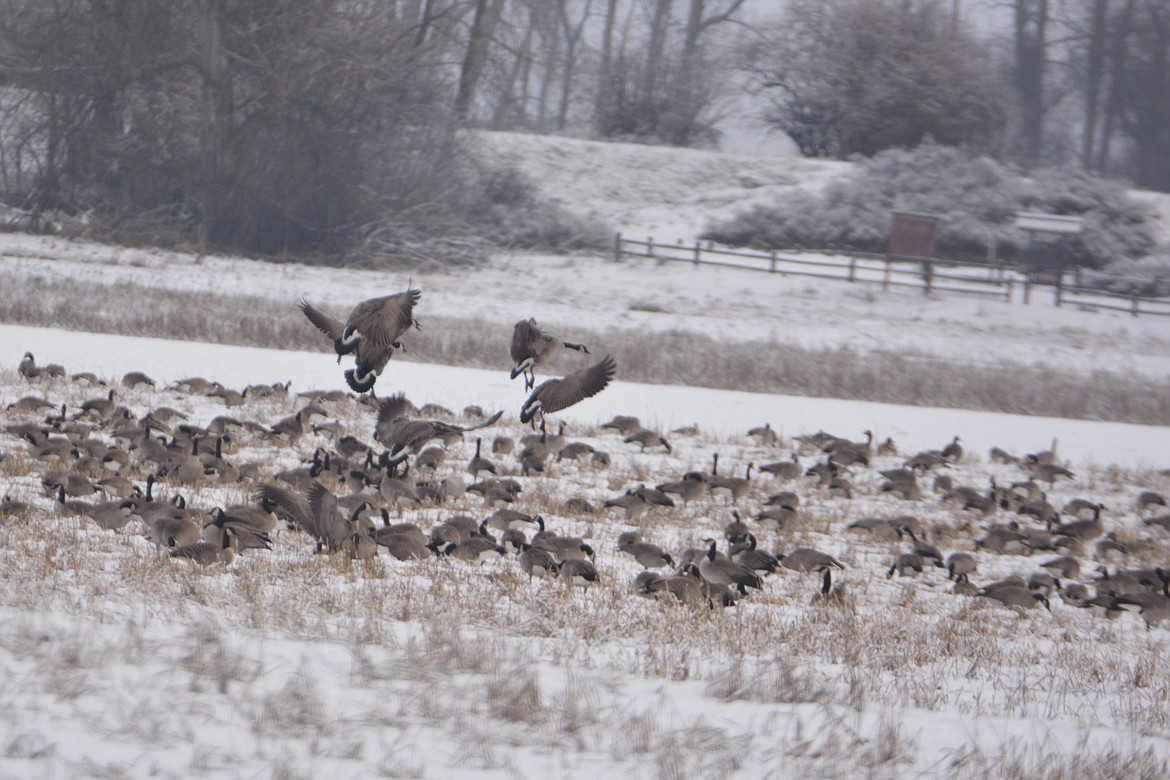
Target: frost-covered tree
{"points": [[858, 76]]}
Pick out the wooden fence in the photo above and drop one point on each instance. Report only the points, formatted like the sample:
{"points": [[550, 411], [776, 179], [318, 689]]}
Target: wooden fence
{"points": [[995, 281]]}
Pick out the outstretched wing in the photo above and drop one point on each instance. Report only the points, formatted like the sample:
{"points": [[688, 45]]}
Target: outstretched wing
{"points": [[557, 394], [291, 505], [330, 326], [522, 336], [382, 321]]}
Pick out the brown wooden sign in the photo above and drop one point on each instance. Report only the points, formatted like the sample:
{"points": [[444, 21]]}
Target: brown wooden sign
{"points": [[913, 235]]}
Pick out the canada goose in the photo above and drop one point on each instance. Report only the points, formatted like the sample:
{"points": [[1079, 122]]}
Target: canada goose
{"points": [[514, 539], [806, 559], [1016, 596], [404, 546], [117, 486], [29, 369], [748, 554], [74, 485], [1075, 593], [1147, 500], [763, 435], [1083, 530], [402, 435], [997, 455], [537, 561], [1043, 511], [576, 571], [623, 424], [1154, 609], [1047, 456], [112, 515], [1081, 508], [195, 385], [574, 450], [648, 555], [578, 505], [480, 467], [953, 452], [503, 519], [909, 525], [776, 517], [101, 409], [904, 489], [907, 564], [644, 437], [475, 549], [734, 488], [784, 470], [532, 347], [675, 589], [206, 553], [721, 571], [1161, 521], [503, 445], [1065, 567], [371, 332], [133, 379], [879, 528], [631, 502], [29, 403], [924, 461], [319, 516], [737, 530], [1049, 472], [553, 395], [13, 510], [689, 488], [288, 430]]}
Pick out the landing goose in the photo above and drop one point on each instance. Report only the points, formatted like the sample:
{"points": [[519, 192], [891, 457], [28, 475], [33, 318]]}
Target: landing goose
{"points": [[371, 332], [403, 435], [553, 395], [532, 347]]}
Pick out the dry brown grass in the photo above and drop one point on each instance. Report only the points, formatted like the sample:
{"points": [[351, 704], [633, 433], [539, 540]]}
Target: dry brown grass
{"points": [[670, 357]]}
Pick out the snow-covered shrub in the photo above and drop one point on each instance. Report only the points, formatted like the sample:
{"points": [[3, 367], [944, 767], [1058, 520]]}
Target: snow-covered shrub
{"points": [[976, 198], [506, 209]]}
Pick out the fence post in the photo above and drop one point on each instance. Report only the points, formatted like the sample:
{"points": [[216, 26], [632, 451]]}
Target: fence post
{"points": [[886, 276], [697, 245], [852, 268], [772, 262], [927, 276], [1059, 287], [1027, 289], [1136, 299], [617, 247], [650, 246], [1008, 294]]}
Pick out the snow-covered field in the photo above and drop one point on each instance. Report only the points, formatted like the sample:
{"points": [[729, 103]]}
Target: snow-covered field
{"points": [[118, 660]]}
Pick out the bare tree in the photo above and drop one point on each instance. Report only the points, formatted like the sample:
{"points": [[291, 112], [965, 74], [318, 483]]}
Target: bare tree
{"points": [[858, 76]]}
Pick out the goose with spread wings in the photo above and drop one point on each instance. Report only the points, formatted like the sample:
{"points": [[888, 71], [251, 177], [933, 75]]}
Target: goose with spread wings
{"points": [[371, 333], [402, 435], [532, 347], [553, 395]]}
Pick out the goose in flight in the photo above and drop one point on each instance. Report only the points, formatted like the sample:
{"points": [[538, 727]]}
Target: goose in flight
{"points": [[402, 435], [532, 347], [553, 395], [371, 333]]}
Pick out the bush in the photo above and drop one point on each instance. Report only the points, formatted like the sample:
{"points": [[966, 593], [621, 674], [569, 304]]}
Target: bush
{"points": [[977, 199]]}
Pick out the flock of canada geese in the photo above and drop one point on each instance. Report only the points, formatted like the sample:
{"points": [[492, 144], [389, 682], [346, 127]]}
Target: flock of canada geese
{"points": [[127, 470]]}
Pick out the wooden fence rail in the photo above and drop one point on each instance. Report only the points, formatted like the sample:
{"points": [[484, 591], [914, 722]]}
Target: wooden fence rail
{"points": [[935, 275]]}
